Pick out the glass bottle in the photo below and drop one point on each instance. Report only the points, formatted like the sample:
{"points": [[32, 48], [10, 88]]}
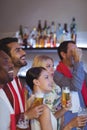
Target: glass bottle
{"points": [[45, 28], [39, 28], [73, 29]]}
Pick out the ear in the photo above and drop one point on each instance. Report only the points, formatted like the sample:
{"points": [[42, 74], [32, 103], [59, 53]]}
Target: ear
{"points": [[36, 82], [63, 55]]}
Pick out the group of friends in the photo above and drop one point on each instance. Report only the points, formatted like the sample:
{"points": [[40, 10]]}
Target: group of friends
{"points": [[15, 101]]}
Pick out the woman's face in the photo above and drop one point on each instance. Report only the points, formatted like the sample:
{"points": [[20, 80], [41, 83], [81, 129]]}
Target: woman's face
{"points": [[44, 82], [49, 66]]}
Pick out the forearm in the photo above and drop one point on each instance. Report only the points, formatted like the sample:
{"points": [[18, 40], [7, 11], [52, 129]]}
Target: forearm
{"points": [[67, 127], [59, 113]]}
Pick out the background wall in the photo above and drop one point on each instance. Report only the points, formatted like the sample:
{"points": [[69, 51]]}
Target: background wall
{"points": [[52, 53], [28, 12]]}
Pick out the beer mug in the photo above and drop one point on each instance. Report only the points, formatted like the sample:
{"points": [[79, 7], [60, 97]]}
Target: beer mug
{"points": [[82, 112], [38, 99], [65, 96]]}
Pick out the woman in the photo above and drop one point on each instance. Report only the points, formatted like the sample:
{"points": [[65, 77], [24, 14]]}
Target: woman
{"points": [[39, 81]]}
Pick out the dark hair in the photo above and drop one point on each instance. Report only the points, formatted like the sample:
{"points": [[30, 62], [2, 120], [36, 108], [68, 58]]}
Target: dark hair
{"points": [[4, 44], [63, 47], [33, 73]]}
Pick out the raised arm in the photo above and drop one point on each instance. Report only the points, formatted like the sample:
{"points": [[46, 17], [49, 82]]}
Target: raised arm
{"points": [[77, 77]]}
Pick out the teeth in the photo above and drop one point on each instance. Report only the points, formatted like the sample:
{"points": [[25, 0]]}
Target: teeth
{"points": [[11, 71], [23, 58]]}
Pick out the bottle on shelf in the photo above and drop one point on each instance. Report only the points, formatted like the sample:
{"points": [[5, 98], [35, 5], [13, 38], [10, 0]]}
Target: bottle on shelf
{"points": [[66, 35], [45, 28], [53, 28], [73, 29], [59, 32], [21, 31], [39, 28]]}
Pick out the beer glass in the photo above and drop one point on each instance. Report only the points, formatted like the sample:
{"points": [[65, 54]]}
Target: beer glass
{"points": [[82, 112], [38, 99], [65, 96]]}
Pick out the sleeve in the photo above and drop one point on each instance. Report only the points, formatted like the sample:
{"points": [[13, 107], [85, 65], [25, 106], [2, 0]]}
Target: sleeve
{"points": [[75, 83], [4, 116]]}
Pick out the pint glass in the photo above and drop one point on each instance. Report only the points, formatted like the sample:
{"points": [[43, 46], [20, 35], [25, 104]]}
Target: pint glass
{"points": [[38, 99], [65, 96]]}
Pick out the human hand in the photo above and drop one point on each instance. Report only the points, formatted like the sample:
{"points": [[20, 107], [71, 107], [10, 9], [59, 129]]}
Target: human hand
{"points": [[68, 105], [77, 54], [79, 121], [34, 112]]}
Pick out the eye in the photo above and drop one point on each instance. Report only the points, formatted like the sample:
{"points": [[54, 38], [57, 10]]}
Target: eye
{"points": [[18, 49], [48, 66], [46, 77]]}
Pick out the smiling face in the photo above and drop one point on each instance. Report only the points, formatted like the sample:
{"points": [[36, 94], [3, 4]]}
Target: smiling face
{"points": [[6, 64], [17, 55], [49, 66]]}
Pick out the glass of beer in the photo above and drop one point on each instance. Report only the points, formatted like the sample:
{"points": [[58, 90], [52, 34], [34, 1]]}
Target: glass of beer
{"points": [[65, 96], [38, 99]]}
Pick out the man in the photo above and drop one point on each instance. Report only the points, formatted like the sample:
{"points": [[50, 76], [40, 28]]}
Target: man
{"points": [[17, 54], [13, 49], [70, 72], [6, 69]]}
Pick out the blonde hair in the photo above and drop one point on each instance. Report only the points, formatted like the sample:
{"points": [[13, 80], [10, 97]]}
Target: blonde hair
{"points": [[39, 60]]}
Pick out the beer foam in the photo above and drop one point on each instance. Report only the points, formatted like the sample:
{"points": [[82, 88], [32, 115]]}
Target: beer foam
{"points": [[39, 95], [66, 90]]}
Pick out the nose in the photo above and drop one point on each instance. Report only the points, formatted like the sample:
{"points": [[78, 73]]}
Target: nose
{"points": [[52, 69]]}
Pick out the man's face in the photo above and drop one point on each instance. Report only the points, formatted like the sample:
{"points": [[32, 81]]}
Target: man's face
{"points": [[68, 56], [7, 67], [17, 55]]}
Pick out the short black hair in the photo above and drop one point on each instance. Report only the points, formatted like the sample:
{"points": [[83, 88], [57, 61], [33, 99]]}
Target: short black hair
{"points": [[63, 47], [4, 44]]}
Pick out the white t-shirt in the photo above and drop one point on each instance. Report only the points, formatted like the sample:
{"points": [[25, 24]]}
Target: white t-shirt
{"points": [[35, 125]]}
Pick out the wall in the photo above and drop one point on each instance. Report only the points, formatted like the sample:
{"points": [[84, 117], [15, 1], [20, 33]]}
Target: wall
{"points": [[28, 12]]}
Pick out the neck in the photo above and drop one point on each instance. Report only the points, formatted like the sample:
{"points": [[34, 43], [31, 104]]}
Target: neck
{"points": [[1, 85], [67, 64], [37, 90], [16, 71]]}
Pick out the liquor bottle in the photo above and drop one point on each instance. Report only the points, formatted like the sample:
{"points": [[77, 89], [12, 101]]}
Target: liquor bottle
{"points": [[45, 28], [65, 28], [59, 32], [73, 29], [53, 27], [39, 28], [65, 32], [21, 31]]}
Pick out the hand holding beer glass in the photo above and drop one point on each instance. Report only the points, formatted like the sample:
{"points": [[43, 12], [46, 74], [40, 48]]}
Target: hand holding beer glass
{"points": [[82, 112], [38, 99], [65, 96]]}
